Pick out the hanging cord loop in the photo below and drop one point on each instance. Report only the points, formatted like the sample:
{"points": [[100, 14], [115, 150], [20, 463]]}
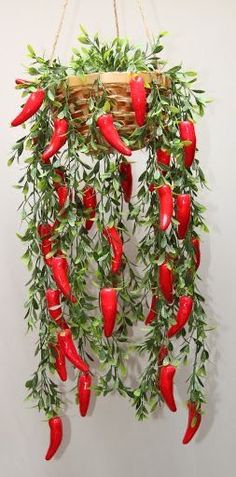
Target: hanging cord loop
{"points": [[58, 32], [146, 28], [116, 18]]}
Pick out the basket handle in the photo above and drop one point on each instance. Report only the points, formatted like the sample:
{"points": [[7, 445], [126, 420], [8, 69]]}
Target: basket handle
{"points": [[62, 18]]}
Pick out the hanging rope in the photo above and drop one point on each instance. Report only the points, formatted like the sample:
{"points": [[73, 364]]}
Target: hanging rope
{"points": [[116, 18], [59, 29], [146, 28]]}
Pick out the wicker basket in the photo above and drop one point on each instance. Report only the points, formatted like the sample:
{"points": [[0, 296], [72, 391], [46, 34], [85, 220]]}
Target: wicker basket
{"points": [[81, 88]]}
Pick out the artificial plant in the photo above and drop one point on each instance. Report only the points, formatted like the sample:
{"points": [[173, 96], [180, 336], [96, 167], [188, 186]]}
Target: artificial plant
{"points": [[77, 227]]}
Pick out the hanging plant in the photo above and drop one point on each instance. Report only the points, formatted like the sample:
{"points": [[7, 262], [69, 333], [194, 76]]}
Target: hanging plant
{"points": [[82, 123]]}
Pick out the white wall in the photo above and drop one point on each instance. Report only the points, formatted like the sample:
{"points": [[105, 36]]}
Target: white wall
{"points": [[111, 442]]}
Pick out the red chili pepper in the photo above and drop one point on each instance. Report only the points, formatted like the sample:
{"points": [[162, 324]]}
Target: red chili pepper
{"points": [[60, 362], [108, 305], [166, 281], [89, 202], [197, 252], [163, 353], [166, 385], [63, 196], [68, 348], [61, 176], [151, 187], [84, 392], [187, 133], [138, 99], [166, 206], [46, 248], [152, 312], [54, 307], [58, 139], [125, 169], [45, 230], [32, 105], [194, 421], [60, 274], [22, 81], [183, 314], [163, 157], [110, 133], [183, 214], [115, 240], [56, 434]]}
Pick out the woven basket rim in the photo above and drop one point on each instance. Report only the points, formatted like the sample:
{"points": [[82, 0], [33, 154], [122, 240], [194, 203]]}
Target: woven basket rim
{"points": [[114, 77]]}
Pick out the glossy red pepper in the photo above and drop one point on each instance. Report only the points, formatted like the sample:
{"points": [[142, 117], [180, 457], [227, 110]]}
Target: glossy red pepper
{"points": [[46, 248], [20, 81], [53, 300], [63, 196], [60, 362], [166, 385], [61, 178], [183, 214], [108, 305], [32, 105], [197, 252], [45, 230], [68, 348], [125, 169], [84, 392], [89, 203], [138, 99], [165, 205], [110, 133], [152, 312], [163, 353], [187, 133], [166, 281], [183, 314], [115, 240], [58, 139], [60, 274], [56, 434], [163, 158], [194, 421]]}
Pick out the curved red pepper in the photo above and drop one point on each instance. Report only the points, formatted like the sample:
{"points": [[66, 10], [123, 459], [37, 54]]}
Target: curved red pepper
{"points": [[89, 202], [84, 392], [152, 312], [166, 205], [54, 307], [108, 305], [138, 99], [183, 214], [163, 157], [125, 169], [56, 434], [194, 421], [45, 230], [115, 240], [46, 248], [187, 133], [63, 196], [166, 385], [166, 281], [68, 348], [197, 252], [22, 81], [60, 362], [183, 314], [60, 274], [32, 105], [58, 139], [110, 133], [61, 176], [163, 353]]}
